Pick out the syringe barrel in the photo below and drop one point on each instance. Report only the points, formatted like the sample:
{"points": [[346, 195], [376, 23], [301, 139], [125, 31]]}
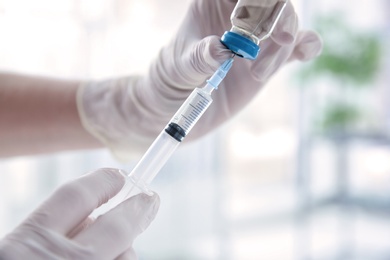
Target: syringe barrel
{"points": [[168, 140], [128, 190], [153, 160], [144, 172], [193, 108]]}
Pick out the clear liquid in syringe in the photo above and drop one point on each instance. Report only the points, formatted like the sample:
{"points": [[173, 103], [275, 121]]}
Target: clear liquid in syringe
{"points": [[192, 109]]}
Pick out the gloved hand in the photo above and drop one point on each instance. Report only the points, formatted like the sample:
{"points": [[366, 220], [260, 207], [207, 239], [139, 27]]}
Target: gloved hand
{"points": [[61, 229], [130, 112]]}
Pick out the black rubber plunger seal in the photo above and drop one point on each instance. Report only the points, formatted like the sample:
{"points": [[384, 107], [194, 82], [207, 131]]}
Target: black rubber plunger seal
{"points": [[175, 131]]}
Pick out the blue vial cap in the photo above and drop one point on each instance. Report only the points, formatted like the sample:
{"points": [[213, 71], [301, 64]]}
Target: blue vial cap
{"points": [[240, 45]]}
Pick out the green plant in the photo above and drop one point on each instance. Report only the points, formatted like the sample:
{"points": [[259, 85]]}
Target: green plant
{"points": [[351, 58], [339, 117], [350, 55]]}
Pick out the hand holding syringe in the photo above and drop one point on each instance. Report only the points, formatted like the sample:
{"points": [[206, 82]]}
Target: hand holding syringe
{"points": [[243, 40], [169, 139]]}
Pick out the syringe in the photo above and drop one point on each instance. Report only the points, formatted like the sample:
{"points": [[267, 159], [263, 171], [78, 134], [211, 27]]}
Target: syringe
{"points": [[170, 138], [243, 39]]}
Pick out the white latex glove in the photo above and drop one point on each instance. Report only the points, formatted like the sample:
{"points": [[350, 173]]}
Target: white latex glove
{"points": [[130, 112], [61, 229]]}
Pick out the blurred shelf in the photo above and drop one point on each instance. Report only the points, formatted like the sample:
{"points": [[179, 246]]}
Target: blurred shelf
{"points": [[338, 137], [367, 205], [360, 256]]}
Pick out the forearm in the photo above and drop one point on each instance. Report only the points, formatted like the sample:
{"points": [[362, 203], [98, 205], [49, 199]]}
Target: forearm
{"points": [[39, 115]]}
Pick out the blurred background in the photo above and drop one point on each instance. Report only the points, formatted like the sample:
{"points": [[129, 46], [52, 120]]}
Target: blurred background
{"points": [[303, 172]]}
